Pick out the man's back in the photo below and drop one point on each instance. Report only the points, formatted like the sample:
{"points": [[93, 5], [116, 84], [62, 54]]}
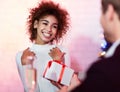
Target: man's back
{"points": [[103, 75]]}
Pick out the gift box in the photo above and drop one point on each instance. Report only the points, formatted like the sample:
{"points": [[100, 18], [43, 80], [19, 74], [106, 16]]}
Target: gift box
{"points": [[58, 72]]}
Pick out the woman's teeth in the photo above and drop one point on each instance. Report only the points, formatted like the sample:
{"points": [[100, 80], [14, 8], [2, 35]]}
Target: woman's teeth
{"points": [[46, 34]]}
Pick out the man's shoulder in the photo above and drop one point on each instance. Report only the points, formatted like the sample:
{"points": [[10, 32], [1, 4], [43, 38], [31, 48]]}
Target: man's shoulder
{"points": [[106, 64]]}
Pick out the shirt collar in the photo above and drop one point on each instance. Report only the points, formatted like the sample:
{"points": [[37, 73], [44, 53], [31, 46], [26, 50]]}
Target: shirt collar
{"points": [[111, 50]]}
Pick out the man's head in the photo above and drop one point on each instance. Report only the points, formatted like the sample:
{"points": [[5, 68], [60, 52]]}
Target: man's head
{"points": [[110, 19], [114, 3]]}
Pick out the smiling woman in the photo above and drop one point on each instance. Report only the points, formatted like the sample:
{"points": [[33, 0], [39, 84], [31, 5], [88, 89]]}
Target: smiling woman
{"points": [[47, 24]]}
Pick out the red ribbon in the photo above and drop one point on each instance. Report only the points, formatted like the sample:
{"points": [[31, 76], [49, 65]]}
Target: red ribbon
{"points": [[61, 73], [48, 66]]}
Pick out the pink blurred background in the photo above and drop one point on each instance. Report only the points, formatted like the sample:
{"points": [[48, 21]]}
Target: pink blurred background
{"points": [[83, 40]]}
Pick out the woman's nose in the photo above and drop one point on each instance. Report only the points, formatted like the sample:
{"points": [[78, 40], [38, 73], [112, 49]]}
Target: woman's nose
{"points": [[49, 28]]}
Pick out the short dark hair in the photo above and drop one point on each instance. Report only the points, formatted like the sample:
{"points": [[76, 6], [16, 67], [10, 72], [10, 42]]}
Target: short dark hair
{"points": [[48, 8], [114, 3]]}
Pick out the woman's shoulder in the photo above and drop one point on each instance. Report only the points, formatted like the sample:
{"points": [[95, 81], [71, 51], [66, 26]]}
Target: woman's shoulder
{"points": [[19, 52]]}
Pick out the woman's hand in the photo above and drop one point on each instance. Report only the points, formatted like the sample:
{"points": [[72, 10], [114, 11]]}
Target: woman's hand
{"points": [[27, 57], [56, 84], [74, 82], [57, 54]]}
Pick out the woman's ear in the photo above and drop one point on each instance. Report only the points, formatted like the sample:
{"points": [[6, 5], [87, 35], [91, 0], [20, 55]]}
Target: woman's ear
{"points": [[35, 24]]}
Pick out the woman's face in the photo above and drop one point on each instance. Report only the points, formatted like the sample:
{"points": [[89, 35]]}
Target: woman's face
{"points": [[47, 28]]}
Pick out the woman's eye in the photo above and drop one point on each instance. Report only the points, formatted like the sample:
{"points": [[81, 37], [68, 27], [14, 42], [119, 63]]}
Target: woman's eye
{"points": [[55, 26], [45, 23]]}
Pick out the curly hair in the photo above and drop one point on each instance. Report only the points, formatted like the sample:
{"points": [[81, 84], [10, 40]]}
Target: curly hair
{"points": [[48, 8]]}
